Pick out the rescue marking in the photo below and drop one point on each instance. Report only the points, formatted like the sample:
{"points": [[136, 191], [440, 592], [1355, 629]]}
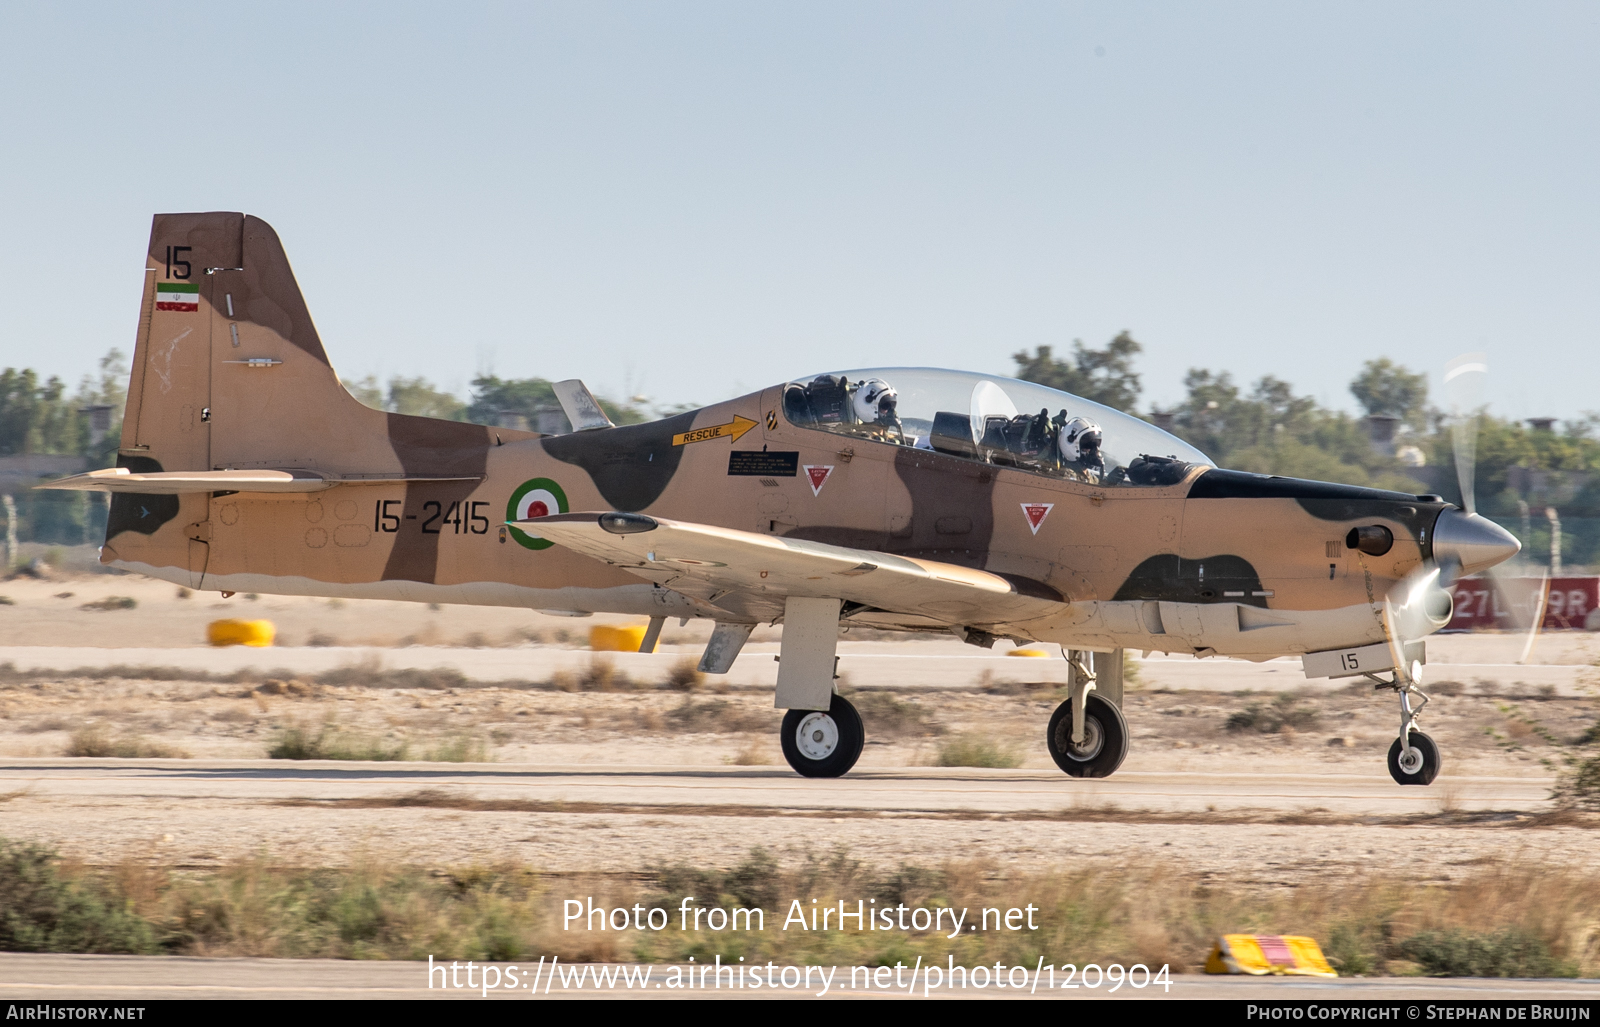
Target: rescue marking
{"points": [[1036, 513], [734, 430], [818, 475]]}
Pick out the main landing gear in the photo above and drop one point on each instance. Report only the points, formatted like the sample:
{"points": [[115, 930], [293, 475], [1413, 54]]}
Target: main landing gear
{"points": [[1414, 757], [823, 744], [1088, 736]]}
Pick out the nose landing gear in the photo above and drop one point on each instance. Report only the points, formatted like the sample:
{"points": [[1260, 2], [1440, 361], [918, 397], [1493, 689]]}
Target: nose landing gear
{"points": [[1413, 757]]}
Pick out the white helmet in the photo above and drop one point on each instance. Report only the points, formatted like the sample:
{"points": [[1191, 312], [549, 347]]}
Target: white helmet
{"points": [[1080, 442], [874, 402]]}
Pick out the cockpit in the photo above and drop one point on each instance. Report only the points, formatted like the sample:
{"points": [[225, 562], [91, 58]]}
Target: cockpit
{"points": [[992, 420]]}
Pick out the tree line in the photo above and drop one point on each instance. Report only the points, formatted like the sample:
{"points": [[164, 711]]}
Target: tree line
{"points": [[1521, 467], [1264, 426]]}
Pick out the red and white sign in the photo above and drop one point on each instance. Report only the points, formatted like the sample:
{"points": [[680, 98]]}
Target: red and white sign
{"points": [[818, 476], [1509, 604], [1036, 513]]}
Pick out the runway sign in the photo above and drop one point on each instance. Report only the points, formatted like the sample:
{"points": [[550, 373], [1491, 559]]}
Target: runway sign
{"points": [[1509, 604]]}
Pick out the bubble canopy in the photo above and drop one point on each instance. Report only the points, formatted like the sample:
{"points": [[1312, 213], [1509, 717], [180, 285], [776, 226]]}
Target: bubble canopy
{"points": [[992, 419]]}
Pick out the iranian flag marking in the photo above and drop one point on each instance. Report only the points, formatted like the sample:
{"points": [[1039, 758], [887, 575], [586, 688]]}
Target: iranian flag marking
{"points": [[1036, 513], [818, 476], [184, 296]]}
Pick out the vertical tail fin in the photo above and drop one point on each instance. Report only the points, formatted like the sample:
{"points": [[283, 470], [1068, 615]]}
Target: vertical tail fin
{"points": [[229, 373]]}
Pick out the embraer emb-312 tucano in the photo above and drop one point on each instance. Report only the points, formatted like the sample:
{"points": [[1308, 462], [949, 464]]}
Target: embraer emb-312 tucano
{"points": [[900, 498]]}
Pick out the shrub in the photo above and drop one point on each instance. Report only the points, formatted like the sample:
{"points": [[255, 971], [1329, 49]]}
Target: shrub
{"points": [[976, 751], [1508, 953], [111, 603], [1283, 713], [461, 749], [297, 742], [684, 676], [41, 912], [1579, 788], [94, 740], [887, 716], [715, 715]]}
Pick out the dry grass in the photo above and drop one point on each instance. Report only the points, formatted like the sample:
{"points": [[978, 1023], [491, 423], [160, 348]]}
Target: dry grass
{"points": [[329, 741], [887, 716], [977, 751], [684, 676], [752, 755], [111, 603], [1284, 715], [719, 716], [97, 740], [1500, 921]]}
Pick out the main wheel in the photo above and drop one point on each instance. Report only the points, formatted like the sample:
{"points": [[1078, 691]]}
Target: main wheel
{"points": [[1419, 766], [819, 744], [1105, 738]]}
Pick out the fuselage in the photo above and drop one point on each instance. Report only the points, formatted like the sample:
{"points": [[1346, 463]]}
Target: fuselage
{"points": [[1210, 561]]}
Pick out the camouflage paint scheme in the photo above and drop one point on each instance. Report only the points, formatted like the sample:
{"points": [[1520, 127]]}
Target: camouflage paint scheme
{"points": [[1146, 568]]}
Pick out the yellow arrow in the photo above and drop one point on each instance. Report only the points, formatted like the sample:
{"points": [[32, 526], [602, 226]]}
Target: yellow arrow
{"points": [[733, 429]]}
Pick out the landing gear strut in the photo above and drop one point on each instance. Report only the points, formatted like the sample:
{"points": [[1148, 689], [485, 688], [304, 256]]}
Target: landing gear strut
{"points": [[1414, 757], [1088, 736]]}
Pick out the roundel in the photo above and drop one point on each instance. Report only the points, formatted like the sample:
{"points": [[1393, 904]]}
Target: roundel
{"points": [[537, 498]]}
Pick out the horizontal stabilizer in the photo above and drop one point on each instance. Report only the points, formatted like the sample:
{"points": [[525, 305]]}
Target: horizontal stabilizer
{"points": [[177, 483], [661, 550]]}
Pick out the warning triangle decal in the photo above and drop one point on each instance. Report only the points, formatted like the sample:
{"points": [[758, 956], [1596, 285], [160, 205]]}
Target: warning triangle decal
{"points": [[818, 476], [1036, 513]]}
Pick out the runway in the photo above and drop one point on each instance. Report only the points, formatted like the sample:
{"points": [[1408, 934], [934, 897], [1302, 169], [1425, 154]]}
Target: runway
{"points": [[125, 979], [758, 790], [1273, 829], [914, 665]]}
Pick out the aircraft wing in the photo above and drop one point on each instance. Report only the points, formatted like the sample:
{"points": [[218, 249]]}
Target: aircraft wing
{"points": [[176, 483], [682, 555]]}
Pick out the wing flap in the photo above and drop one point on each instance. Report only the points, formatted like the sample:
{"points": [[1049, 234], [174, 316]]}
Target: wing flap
{"points": [[663, 550]]}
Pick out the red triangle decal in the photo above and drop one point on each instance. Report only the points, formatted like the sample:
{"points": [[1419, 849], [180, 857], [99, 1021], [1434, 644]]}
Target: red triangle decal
{"points": [[1036, 513], [818, 475]]}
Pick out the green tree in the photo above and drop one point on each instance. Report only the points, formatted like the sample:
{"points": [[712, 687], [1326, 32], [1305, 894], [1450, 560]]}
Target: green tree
{"points": [[527, 396], [418, 396], [35, 417], [367, 391], [1385, 389], [1270, 430], [491, 395], [1102, 375]]}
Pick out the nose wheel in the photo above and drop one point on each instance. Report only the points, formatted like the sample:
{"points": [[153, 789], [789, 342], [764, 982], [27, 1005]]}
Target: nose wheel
{"points": [[821, 743], [1414, 764]]}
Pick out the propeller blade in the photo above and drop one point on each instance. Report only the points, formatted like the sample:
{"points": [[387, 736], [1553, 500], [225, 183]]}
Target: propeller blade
{"points": [[1538, 615], [1464, 379]]}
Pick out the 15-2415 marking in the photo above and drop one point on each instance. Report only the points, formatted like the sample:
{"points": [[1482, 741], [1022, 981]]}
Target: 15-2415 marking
{"points": [[463, 518]]}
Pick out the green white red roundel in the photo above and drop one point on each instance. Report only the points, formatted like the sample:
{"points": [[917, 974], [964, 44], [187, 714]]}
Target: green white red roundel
{"points": [[537, 498]]}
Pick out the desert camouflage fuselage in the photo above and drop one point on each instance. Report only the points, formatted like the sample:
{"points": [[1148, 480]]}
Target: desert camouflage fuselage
{"points": [[229, 374]]}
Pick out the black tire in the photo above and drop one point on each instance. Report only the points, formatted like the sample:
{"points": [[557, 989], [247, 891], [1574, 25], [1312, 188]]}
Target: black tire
{"points": [[1105, 736], [835, 742], [1430, 761]]}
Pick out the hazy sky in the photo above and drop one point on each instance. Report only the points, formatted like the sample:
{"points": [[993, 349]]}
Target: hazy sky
{"points": [[690, 200]]}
